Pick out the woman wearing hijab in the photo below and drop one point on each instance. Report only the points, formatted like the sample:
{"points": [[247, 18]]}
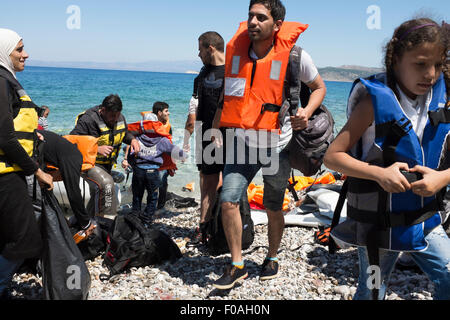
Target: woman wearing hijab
{"points": [[19, 234]]}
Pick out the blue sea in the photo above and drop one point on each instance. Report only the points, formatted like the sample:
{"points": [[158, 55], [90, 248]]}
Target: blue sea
{"points": [[68, 92]]}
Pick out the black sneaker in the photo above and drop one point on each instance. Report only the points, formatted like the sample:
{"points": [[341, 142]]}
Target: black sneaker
{"points": [[196, 239], [269, 270], [230, 277], [199, 237]]}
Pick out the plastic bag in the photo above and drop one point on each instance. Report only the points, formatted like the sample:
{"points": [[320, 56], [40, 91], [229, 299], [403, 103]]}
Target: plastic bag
{"points": [[64, 272]]}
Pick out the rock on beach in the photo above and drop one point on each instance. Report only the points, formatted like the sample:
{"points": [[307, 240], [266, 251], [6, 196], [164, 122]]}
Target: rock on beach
{"points": [[307, 271]]}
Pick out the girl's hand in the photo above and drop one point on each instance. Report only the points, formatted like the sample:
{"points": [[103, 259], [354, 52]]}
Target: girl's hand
{"points": [[391, 179], [433, 181]]}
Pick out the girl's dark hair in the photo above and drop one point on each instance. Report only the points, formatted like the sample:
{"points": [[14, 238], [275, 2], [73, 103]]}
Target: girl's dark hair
{"points": [[409, 35], [276, 8]]}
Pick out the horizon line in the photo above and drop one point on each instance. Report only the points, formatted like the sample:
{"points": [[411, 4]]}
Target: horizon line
{"points": [[70, 65]]}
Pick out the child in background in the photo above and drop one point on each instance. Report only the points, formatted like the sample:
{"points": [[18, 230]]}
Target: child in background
{"points": [[43, 119], [398, 127], [146, 166]]}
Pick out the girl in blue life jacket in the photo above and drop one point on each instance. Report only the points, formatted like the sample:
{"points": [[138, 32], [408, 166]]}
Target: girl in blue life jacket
{"points": [[394, 149]]}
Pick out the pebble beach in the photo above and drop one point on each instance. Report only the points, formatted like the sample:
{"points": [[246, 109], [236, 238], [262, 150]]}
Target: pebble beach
{"points": [[307, 271]]}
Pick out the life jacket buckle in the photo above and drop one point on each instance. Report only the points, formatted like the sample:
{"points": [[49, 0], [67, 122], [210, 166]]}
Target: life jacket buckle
{"points": [[270, 107]]}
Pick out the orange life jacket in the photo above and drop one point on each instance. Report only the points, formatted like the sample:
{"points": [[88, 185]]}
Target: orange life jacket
{"points": [[166, 126], [254, 89], [154, 127]]}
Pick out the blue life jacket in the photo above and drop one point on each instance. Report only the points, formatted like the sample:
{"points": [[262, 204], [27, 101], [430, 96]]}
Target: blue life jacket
{"points": [[403, 218]]}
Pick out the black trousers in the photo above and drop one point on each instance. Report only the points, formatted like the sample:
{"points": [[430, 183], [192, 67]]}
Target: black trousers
{"points": [[20, 237]]}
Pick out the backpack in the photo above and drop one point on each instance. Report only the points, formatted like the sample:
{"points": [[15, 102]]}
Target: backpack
{"points": [[130, 244], [216, 240], [307, 147], [95, 244]]}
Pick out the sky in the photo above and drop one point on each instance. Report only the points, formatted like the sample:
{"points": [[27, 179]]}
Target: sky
{"points": [[346, 32]]}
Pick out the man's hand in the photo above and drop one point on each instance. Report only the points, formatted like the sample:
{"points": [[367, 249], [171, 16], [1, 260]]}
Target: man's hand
{"points": [[135, 147], [300, 120], [125, 164], [104, 151], [44, 179]]}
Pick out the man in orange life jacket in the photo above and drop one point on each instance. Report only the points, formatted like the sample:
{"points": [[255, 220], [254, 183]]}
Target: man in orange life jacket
{"points": [[256, 65]]}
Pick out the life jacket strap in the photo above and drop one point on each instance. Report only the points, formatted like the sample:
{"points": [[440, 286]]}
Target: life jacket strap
{"points": [[270, 107], [394, 134], [440, 116], [332, 246], [397, 219]]}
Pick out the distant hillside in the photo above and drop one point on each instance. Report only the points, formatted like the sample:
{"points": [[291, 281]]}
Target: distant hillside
{"points": [[343, 73], [346, 73]]}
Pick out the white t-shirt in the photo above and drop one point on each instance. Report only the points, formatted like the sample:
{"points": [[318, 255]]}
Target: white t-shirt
{"points": [[416, 110], [308, 73], [193, 105]]}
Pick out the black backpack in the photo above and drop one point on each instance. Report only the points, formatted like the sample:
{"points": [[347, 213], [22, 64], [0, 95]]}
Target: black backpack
{"points": [[130, 244], [307, 147], [95, 244], [216, 240]]}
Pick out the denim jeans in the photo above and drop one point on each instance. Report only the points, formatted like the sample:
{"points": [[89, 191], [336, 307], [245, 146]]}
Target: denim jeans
{"points": [[145, 180], [164, 174], [7, 269], [434, 262], [240, 171]]}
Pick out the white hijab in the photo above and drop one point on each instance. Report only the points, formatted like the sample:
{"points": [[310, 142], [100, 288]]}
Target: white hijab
{"points": [[8, 42]]}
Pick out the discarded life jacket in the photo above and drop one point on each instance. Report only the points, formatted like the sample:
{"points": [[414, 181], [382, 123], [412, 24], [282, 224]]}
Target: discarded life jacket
{"points": [[154, 127], [255, 195], [108, 136], [25, 123], [254, 89], [302, 182], [401, 219]]}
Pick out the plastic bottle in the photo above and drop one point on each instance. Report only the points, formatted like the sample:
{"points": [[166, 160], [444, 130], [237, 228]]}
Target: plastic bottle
{"points": [[79, 236]]}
